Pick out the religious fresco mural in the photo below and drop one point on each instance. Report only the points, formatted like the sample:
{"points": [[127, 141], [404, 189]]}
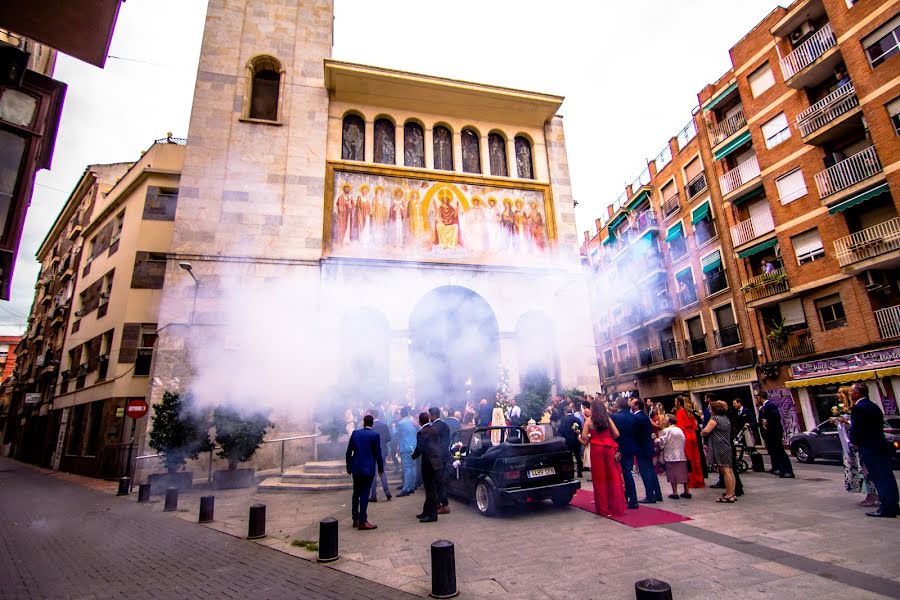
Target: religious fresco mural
{"points": [[381, 216]]}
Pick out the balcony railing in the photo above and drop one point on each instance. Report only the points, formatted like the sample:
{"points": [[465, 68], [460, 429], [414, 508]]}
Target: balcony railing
{"points": [[806, 53], [642, 223], [795, 343], [696, 185], [628, 363], [827, 109], [687, 296], [720, 132], [868, 243], [738, 176], [668, 350], [752, 228], [848, 172], [888, 320], [727, 336], [671, 206], [696, 345], [765, 285], [715, 282]]}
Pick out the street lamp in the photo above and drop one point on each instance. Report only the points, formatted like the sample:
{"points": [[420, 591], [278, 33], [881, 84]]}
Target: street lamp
{"points": [[190, 270]]}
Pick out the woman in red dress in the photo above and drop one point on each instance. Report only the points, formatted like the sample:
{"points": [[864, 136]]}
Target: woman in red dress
{"points": [[688, 424], [606, 472]]}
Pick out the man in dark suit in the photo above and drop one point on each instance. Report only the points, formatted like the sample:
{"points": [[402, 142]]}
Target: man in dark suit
{"points": [[434, 414], [773, 436], [485, 413], [570, 430], [428, 446], [384, 432], [363, 459], [867, 434], [643, 452], [626, 425]]}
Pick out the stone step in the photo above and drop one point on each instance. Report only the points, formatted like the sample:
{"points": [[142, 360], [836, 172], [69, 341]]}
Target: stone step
{"points": [[325, 466], [277, 485]]}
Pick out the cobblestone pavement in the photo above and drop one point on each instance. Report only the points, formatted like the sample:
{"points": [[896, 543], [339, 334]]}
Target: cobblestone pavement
{"points": [[62, 540]]}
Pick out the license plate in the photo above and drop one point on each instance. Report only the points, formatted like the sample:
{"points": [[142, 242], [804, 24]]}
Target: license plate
{"points": [[542, 472]]}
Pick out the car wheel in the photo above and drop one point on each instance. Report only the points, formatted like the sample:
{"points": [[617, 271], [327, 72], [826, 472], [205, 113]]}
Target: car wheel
{"points": [[803, 453], [485, 499], [562, 499]]}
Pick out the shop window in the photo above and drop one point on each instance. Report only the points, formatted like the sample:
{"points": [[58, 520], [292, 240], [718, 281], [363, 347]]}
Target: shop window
{"points": [[831, 312], [413, 145], [776, 130], [761, 79], [807, 246], [524, 159], [385, 139], [76, 431], [883, 43], [93, 431], [443, 148], [353, 138]]}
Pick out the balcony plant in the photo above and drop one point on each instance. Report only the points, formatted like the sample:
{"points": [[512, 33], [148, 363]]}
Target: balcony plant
{"points": [[177, 432], [239, 435], [778, 332]]}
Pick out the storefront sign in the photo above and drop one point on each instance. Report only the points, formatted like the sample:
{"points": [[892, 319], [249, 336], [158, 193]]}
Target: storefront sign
{"points": [[32, 398], [741, 376], [848, 363]]}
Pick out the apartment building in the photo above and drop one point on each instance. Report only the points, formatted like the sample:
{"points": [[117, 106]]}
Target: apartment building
{"points": [[800, 144], [93, 324]]}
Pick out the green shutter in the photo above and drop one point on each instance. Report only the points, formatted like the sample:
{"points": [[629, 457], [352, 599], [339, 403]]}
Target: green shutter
{"points": [[859, 199], [758, 248], [712, 262], [675, 232], [732, 145], [700, 214]]}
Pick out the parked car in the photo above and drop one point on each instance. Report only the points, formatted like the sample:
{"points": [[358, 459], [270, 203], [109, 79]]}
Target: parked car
{"points": [[513, 470], [823, 443]]}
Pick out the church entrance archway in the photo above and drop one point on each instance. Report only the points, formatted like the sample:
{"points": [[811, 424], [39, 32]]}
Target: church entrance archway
{"points": [[536, 344], [365, 337], [454, 348]]}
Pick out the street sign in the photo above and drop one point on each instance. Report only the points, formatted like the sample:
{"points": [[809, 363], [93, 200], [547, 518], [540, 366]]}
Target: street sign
{"points": [[136, 408], [32, 398]]}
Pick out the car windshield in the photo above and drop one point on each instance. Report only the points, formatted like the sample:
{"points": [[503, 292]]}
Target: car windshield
{"points": [[826, 427]]}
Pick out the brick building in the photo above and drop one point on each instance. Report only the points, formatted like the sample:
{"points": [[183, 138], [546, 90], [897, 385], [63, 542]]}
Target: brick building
{"points": [[799, 142]]}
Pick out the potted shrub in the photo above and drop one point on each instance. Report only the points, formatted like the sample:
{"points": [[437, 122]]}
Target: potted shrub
{"points": [[239, 435], [534, 397], [178, 433], [333, 429]]}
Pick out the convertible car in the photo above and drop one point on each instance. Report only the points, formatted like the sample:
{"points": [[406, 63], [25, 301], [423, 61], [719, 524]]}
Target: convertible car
{"points": [[509, 469]]}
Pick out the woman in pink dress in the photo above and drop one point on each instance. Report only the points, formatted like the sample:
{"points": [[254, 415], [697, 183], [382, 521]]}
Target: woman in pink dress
{"points": [[609, 488]]}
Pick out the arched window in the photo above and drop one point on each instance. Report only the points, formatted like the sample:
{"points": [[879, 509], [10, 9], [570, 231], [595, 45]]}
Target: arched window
{"points": [[265, 87], [524, 164], [471, 151], [443, 148], [497, 155], [413, 145], [384, 142], [353, 138]]}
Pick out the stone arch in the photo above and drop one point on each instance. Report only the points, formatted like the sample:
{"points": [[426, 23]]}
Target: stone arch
{"points": [[364, 356], [524, 156], [385, 132], [442, 142], [470, 143], [536, 346], [414, 143], [454, 346], [497, 149], [353, 136]]}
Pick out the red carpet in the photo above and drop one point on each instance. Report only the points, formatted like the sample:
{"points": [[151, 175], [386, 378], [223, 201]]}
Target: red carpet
{"points": [[645, 516]]}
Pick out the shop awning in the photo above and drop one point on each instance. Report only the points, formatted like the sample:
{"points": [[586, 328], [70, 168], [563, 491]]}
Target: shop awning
{"points": [[859, 199], [720, 96], [700, 214], [841, 378], [675, 232], [889, 372], [732, 145], [758, 248]]}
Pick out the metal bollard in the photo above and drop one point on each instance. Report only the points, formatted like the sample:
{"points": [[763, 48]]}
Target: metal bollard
{"points": [[124, 486], [207, 508], [652, 589], [144, 492], [171, 500], [257, 527], [328, 540], [443, 570]]}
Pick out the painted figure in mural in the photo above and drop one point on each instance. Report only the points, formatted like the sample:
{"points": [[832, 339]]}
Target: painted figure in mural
{"points": [[415, 219], [492, 224], [364, 215], [536, 222], [343, 208], [521, 238], [476, 232], [379, 216], [446, 226], [507, 226], [397, 219]]}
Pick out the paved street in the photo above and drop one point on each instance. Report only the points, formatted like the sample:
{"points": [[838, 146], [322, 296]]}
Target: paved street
{"points": [[63, 540]]}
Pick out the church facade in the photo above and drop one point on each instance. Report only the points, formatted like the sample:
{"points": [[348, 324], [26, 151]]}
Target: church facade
{"points": [[363, 230]]}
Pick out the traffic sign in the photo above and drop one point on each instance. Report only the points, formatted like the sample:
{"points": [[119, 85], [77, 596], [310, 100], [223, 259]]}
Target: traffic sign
{"points": [[136, 408]]}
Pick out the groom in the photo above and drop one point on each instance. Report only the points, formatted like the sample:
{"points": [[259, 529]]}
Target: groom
{"points": [[363, 456]]}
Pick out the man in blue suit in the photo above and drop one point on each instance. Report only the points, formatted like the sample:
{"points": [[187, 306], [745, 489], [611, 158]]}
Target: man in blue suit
{"points": [[867, 434], [643, 451], [625, 423], [363, 461], [406, 432]]}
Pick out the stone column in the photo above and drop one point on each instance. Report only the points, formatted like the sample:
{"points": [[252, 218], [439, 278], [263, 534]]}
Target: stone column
{"points": [[398, 145], [429, 148], [457, 151], [485, 156], [511, 157], [370, 142]]}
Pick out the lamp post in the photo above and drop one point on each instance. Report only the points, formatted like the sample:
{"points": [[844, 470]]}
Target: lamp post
{"points": [[190, 270]]}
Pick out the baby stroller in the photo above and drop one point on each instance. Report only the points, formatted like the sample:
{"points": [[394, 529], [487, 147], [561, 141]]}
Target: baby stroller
{"points": [[743, 442]]}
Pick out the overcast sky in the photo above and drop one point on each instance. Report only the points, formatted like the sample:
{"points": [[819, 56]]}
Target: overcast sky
{"points": [[630, 72]]}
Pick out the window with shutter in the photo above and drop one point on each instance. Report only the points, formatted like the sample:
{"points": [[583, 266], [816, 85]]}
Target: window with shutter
{"points": [[131, 333], [776, 130], [877, 214], [808, 246], [791, 186], [792, 312], [761, 79], [893, 109]]}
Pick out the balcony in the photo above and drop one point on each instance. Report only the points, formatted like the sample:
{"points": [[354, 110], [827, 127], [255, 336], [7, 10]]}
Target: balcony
{"points": [[671, 206], [739, 176], [74, 231], [642, 223], [668, 351], [628, 363], [793, 344], [694, 346], [727, 336], [752, 228], [836, 104], [687, 296], [848, 172], [715, 282], [696, 185], [869, 243], [765, 285], [888, 320], [806, 54], [720, 132]]}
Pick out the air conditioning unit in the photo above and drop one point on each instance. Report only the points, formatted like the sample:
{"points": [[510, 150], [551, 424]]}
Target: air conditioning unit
{"points": [[875, 281], [801, 33]]}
